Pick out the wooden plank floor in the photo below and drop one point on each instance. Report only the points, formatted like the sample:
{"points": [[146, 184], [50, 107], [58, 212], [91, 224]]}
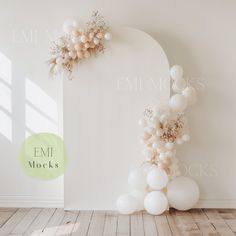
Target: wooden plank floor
{"points": [[49, 222]]}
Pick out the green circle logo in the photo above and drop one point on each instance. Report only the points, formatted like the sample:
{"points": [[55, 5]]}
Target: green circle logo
{"points": [[43, 156]]}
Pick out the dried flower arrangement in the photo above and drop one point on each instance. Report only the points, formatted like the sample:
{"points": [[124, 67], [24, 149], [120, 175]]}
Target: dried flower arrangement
{"points": [[156, 185], [77, 44]]}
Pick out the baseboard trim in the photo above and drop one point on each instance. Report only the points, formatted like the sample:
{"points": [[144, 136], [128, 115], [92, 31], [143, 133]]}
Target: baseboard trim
{"points": [[216, 203], [18, 201], [32, 201]]}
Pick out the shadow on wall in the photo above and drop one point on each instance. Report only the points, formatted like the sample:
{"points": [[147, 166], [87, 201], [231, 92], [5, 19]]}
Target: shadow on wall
{"points": [[38, 113], [5, 97]]}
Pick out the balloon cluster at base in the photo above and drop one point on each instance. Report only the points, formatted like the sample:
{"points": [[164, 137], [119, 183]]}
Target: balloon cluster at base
{"points": [[157, 184]]}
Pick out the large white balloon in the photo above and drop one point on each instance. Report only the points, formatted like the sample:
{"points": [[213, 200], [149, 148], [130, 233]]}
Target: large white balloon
{"points": [[126, 204], [139, 195], [178, 102], [157, 178], [190, 94], [137, 179], [176, 72], [108, 36], [155, 202], [182, 193]]}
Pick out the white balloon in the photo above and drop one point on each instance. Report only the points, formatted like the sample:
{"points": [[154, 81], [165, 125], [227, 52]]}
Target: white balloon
{"points": [[179, 141], [190, 94], [126, 204], [182, 193], [155, 202], [142, 122], [96, 41], [139, 195], [137, 179], [157, 178], [155, 145], [108, 36], [176, 72], [178, 103]]}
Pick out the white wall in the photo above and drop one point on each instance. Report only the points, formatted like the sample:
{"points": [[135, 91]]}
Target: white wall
{"points": [[30, 101], [200, 35]]}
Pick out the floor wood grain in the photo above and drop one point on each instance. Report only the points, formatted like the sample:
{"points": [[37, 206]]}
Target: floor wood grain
{"points": [[49, 222]]}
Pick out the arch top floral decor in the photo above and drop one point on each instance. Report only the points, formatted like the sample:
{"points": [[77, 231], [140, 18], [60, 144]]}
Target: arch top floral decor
{"points": [[77, 44]]}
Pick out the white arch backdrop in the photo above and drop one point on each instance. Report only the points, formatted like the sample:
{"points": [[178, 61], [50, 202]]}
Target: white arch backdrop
{"points": [[102, 106]]}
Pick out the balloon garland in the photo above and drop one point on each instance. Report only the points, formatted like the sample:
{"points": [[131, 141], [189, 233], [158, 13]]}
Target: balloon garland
{"points": [[77, 44], [157, 184]]}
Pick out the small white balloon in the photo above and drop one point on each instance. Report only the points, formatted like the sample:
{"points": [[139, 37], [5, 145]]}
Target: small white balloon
{"points": [[139, 195], [142, 122], [182, 193], [96, 41], [178, 102], [190, 94], [108, 36], [179, 141], [159, 132], [185, 137], [155, 202], [155, 145], [137, 179], [157, 178], [72, 54], [126, 204], [83, 39], [176, 72]]}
